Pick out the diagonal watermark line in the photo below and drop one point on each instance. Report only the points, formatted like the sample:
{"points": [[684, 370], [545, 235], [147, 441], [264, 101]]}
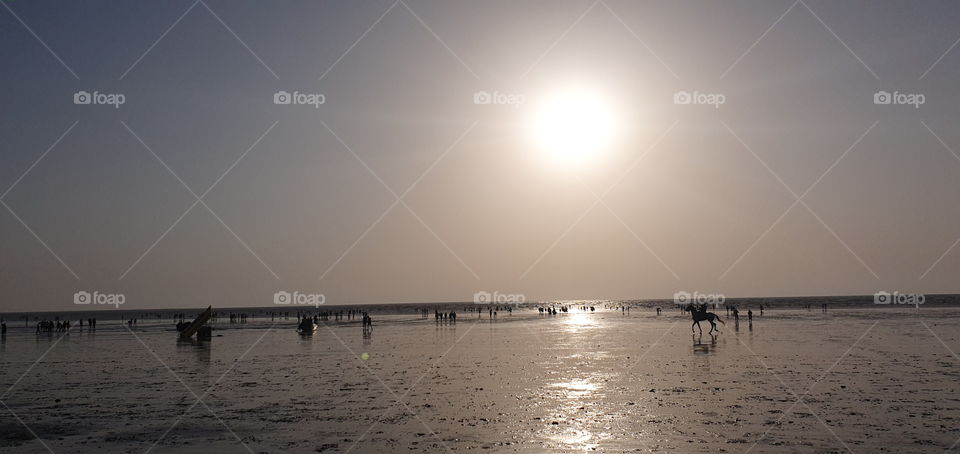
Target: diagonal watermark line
{"points": [[359, 239], [744, 54], [798, 199], [399, 199], [199, 399], [790, 390], [940, 140], [560, 238], [535, 335], [598, 199], [817, 17], [758, 240], [654, 344], [940, 340], [934, 65], [199, 199], [44, 44], [244, 243], [35, 363], [454, 145], [364, 35], [955, 443], [937, 262], [22, 176], [399, 399], [24, 224], [42, 155], [560, 38], [815, 383], [441, 41], [238, 38], [22, 423], [637, 37], [444, 243], [158, 240], [219, 19], [875, 76], [20, 378], [627, 226], [844, 243], [144, 54], [190, 390]]}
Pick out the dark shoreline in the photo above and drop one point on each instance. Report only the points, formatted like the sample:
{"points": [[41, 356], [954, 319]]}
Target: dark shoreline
{"points": [[835, 302]]}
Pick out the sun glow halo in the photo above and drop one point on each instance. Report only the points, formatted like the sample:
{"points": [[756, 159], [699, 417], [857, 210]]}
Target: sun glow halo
{"points": [[573, 125]]}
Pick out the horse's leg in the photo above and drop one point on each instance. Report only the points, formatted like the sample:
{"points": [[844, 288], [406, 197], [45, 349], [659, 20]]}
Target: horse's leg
{"points": [[713, 326], [691, 326]]}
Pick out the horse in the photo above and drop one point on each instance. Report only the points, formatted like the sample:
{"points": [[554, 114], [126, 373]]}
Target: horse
{"points": [[700, 315]]}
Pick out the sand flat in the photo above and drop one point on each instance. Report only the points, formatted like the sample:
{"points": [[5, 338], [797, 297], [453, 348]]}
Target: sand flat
{"points": [[871, 380]]}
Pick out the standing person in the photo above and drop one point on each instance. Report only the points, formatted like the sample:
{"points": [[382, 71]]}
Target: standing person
{"points": [[749, 315], [736, 313], [3, 327], [761, 310]]}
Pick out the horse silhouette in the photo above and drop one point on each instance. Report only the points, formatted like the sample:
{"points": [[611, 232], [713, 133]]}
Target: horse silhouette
{"points": [[700, 314]]}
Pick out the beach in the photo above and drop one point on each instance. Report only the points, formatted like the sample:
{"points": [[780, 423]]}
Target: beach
{"points": [[795, 380]]}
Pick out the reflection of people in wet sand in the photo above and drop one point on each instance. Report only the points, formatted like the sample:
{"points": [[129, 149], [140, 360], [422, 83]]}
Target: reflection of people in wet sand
{"points": [[699, 346], [700, 314]]}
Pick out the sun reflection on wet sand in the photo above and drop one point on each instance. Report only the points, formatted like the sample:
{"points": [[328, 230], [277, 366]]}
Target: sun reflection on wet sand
{"points": [[573, 433], [575, 322]]}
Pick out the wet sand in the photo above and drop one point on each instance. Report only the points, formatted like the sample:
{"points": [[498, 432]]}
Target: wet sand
{"points": [[871, 380]]}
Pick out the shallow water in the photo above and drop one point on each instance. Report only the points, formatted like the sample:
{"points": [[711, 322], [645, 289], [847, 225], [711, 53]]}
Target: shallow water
{"points": [[871, 380]]}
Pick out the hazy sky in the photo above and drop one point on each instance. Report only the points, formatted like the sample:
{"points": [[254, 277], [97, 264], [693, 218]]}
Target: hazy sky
{"points": [[693, 197]]}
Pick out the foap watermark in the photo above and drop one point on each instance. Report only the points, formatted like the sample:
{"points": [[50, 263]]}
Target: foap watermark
{"points": [[684, 297], [883, 297], [695, 97], [99, 99], [896, 98], [299, 99], [483, 297], [299, 299], [484, 97], [111, 299]]}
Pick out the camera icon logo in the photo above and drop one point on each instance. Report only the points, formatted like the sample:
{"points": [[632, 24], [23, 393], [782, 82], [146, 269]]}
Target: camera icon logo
{"points": [[682, 97], [882, 97], [681, 297], [282, 97], [881, 297], [482, 297], [82, 97], [482, 97], [81, 297], [281, 297]]}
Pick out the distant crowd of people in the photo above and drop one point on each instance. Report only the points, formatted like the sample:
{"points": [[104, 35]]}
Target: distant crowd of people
{"points": [[445, 317], [54, 326]]}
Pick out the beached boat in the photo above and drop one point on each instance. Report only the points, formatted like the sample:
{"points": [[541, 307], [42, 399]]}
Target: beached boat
{"points": [[187, 332]]}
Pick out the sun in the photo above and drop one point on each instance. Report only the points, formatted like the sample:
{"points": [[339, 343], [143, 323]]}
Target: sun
{"points": [[574, 124]]}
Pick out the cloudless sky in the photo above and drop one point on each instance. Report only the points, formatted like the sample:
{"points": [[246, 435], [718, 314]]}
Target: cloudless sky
{"points": [[297, 194]]}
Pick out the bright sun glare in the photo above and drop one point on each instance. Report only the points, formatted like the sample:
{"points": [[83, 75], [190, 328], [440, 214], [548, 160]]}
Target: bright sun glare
{"points": [[573, 125]]}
